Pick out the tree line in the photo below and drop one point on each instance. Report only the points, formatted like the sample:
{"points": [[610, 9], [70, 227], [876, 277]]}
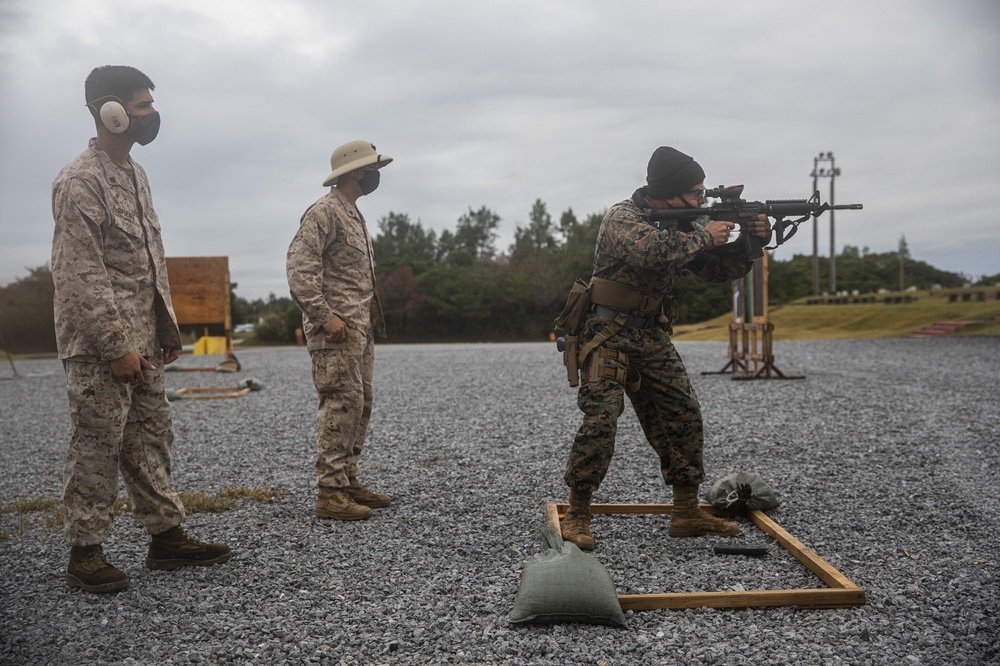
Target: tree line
{"points": [[457, 285]]}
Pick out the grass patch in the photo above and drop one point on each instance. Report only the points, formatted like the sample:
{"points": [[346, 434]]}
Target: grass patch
{"points": [[799, 321], [49, 512]]}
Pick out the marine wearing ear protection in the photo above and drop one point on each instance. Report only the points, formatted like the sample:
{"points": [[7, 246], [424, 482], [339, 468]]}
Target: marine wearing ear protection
{"points": [[117, 120], [113, 115]]}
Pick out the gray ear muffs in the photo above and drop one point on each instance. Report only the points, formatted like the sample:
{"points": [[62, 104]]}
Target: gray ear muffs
{"points": [[113, 115]]}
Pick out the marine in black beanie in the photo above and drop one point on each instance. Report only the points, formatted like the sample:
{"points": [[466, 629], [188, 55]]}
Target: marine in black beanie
{"points": [[670, 173], [624, 330]]}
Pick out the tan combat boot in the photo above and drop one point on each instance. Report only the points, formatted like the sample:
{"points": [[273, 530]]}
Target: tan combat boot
{"points": [[174, 549], [366, 496], [689, 520], [337, 504], [89, 570], [576, 524]]}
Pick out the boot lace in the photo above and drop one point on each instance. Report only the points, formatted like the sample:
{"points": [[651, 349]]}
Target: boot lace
{"points": [[93, 560]]}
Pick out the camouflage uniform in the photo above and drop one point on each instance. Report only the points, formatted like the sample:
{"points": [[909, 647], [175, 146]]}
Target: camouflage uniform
{"points": [[631, 251], [112, 298], [331, 272]]}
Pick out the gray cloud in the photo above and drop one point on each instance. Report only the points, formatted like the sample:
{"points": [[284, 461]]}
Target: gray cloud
{"points": [[498, 104]]}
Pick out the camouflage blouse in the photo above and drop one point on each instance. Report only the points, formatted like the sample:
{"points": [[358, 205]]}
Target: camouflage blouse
{"points": [[632, 251], [112, 296], [330, 269]]}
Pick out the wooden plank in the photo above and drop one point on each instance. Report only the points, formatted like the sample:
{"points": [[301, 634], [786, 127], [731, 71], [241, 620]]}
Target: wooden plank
{"points": [[842, 593], [552, 516], [806, 598], [635, 509], [199, 288], [801, 552]]}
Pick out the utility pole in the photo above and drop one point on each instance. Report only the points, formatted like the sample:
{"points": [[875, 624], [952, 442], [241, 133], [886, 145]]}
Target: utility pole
{"points": [[815, 262], [832, 174], [903, 252]]}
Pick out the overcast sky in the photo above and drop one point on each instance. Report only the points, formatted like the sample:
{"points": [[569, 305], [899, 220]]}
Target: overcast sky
{"points": [[498, 104]]}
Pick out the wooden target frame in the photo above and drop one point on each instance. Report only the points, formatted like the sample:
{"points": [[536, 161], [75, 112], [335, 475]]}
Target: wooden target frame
{"points": [[199, 289], [751, 335], [840, 593]]}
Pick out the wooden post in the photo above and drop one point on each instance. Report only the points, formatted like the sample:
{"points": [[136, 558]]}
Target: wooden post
{"points": [[750, 332]]}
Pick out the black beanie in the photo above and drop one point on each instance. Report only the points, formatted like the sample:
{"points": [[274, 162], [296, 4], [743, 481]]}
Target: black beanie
{"points": [[671, 172]]}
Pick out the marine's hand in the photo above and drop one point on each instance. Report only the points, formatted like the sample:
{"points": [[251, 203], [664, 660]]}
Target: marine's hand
{"points": [[761, 227], [335, 330], [720, 231], [128, 369], [170, 355]]}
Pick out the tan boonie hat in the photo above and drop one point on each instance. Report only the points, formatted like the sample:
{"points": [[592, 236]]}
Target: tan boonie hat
{"points": [[353, 155]]}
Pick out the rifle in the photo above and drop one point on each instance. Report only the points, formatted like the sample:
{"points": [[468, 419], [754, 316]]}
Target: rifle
{"points": [[733, 209]]}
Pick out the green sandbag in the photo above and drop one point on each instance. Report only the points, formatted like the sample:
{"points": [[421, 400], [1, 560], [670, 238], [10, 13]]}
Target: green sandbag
{"points": [[743, 491], [563, 584], [251, 383]]}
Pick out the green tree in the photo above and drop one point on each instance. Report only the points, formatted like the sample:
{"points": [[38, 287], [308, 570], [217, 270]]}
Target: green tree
{"points": [[477, 232], [537, 237], [568, 223], [401, 241], [790, 280], [467, 300], [400, 297], [239, 308], [575, 258], [696, 300], [446, 245], [27, 321]]}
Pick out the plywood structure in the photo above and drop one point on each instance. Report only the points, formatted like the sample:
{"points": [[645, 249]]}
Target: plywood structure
{"points": [[751, 349], [840, 593], [199, 288]]}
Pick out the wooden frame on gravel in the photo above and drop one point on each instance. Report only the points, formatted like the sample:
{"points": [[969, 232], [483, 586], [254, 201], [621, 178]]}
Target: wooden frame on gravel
{"points": [[841, 593]]}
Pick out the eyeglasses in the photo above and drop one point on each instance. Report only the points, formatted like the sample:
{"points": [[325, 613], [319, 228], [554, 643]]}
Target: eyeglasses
{"points": [[698, 193]]}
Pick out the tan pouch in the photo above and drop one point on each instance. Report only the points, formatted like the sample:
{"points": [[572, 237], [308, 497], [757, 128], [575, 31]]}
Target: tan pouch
{"points": [[613, 364], [577, 305], [604, 362]]}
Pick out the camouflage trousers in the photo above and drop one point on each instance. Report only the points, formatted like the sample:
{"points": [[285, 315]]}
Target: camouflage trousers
{"points": [[665, 404], [117, 428], [343, 379]]}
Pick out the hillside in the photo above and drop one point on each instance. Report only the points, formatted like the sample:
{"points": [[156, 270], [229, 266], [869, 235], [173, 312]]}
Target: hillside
{"points": [[800, 320]]}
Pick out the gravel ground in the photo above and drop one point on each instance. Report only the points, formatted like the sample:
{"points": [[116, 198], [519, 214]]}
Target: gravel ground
{"points": [[885, 457]]}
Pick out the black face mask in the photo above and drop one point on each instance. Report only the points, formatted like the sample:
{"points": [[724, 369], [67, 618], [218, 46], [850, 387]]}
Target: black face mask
{"points": [[143, 129], [369, 181]]}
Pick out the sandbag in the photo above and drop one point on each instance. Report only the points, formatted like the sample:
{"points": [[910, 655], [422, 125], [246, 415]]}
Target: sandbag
{"points": [[562, 584], [743, 491]]}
